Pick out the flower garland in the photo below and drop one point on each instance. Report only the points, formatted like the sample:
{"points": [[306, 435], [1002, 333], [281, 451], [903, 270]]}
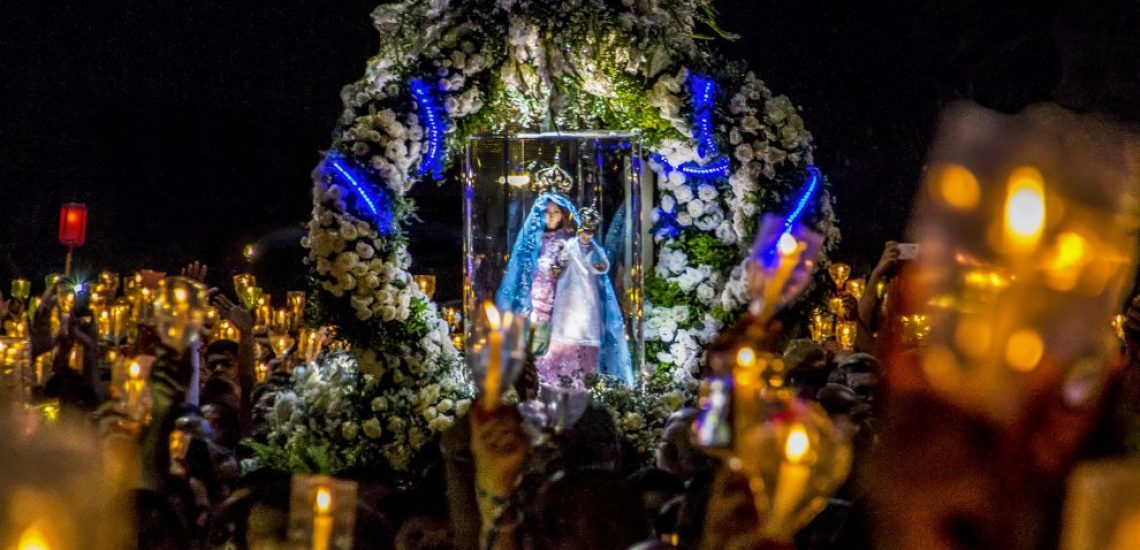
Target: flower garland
{"points": [[724, 148]]}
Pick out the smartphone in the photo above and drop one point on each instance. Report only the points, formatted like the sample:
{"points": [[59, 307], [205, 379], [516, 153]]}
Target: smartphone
{"points": [[907, 251]]}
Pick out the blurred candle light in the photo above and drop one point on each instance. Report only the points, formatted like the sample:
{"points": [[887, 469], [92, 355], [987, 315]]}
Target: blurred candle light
{"points": [[1118, 325], [21, 289], [845, 334], [426, 284], [958, 187], [839, 273], [1024, 350], [492, 381], [1024, 210], [33, 539]]}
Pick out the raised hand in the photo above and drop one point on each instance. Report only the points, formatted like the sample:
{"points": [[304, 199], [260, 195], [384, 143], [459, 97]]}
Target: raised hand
{"points": [[241, 317], [196, 271], [887, 263]]}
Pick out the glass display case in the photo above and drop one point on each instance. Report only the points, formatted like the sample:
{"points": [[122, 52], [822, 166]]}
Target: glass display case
{"points": [[553, 230]]}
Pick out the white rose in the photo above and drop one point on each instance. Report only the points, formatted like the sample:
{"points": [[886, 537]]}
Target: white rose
{"points": [[364, 251], [705, 293], [744, 153], [348, 232], [349, 430], [684, 194], [372, 428], [695, 208], [707, 192], [684, 219], [668, 202], [380, 404]]}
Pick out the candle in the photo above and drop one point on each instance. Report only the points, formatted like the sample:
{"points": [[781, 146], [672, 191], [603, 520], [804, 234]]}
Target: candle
{"points": [[1024, 210], [492, 381], [134, 384], [33, 539], [789, 250], [792, 477], [21, 289], [855, 287], [845, 334], [322, 518]]}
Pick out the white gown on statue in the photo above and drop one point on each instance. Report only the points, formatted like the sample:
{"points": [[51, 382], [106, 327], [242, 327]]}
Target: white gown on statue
{"points": [[577, 315], [576, 321]]}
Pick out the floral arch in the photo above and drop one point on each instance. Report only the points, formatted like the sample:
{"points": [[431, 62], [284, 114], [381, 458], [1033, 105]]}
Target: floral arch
{"points": [[724, 148]]}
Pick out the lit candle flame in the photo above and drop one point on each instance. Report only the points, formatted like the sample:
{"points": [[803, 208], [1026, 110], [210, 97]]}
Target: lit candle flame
{"points": [[787, 244], [746, 357], [797, 445], [33, 539], [1025, 208], [493, 317], [134, 370], [322, 504]]}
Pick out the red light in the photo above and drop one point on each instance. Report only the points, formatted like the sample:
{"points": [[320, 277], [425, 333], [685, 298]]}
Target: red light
{"points": [[73, 224]]}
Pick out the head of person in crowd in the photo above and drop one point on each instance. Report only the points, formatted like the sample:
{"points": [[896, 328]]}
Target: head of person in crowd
{"points": [[589, 508], [657, 488], [676, 452], [859, 371], [221, 361], [806, 364]]}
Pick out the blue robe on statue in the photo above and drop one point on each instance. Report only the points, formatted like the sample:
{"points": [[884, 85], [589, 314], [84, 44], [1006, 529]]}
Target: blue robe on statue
{"points": [[514, 292]]}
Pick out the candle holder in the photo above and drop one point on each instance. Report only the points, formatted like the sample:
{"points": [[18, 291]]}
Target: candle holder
{"points": [[110, 282], [856, 287], [794, 460], [242, 283], [845, 332], [21, 289], [295, 301], [498, 352], [180, 311], [225, 330], [310, 342], [251, 297], [426, 284], [839, 273], [322, 513], [780, 265], [822, 326], [130, 385]]}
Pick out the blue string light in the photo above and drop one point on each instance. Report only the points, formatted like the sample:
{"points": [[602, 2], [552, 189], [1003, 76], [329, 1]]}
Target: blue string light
{"points": [[812, 183], [703, 91], [436, 126], [377, 205]]}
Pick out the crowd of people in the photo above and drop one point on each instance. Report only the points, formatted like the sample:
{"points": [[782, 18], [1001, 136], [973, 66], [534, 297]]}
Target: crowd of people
{"points": [[486, 484]]}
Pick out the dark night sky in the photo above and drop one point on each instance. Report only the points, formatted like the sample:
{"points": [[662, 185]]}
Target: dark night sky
{"points": [[190, 128]]}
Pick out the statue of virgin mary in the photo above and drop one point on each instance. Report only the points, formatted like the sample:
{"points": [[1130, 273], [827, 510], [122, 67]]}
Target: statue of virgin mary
{"points": [[558, 275]]}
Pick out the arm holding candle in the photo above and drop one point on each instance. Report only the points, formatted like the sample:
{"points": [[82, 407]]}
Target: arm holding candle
{"points": [[242, 319], [499, 448]]}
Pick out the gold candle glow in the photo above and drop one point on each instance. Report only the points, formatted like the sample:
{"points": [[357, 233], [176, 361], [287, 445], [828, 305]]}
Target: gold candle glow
{"points": [[493, 380]]}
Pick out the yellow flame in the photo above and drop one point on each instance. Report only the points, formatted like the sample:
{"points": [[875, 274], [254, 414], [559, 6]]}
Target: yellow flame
{"points": [[787, 244], [493, 317], [746, 357], [33, 539], [797, 445], [1024, 350], [322, 504], [134, 370], [1025, 208]]}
